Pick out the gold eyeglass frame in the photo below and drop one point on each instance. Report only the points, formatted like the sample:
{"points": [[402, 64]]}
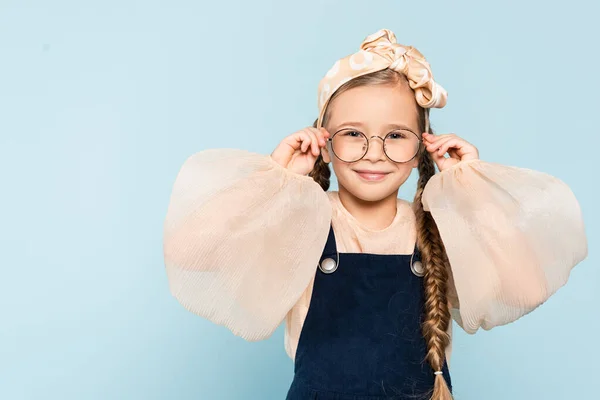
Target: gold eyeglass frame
{"points": [[368, 140]]}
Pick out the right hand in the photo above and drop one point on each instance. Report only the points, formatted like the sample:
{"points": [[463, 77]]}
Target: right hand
{"points": [[299, 151]]}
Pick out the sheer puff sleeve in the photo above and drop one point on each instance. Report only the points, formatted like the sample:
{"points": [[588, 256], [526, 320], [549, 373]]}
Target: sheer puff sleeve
{"points": [[512, 236], [242, 239]]}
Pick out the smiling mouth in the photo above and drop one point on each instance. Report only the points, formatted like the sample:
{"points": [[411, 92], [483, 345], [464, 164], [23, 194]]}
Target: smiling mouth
{"points": [[372, 175]]}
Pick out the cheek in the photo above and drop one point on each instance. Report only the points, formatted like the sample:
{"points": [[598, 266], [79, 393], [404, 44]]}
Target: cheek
{"points": [[340, 168], [344, 174], [402, 173]]}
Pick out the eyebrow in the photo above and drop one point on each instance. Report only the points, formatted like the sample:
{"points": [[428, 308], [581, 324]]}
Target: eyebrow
{"points": [[395, 126]]}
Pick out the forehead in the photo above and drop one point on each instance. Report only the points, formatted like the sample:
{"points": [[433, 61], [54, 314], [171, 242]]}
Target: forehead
{"points": [[374, 106]]}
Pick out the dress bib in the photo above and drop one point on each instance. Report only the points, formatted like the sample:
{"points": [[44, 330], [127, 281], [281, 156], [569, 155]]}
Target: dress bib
{"points": [[362, 338]]}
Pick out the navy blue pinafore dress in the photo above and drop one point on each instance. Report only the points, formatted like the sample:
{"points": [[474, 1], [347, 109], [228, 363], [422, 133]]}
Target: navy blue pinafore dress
{"points": [[362, 337]]}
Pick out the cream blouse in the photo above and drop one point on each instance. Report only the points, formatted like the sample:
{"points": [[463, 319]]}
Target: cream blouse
{"points": [[243, 236]]}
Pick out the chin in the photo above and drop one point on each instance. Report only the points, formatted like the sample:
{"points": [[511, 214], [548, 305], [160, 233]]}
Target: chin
{"points": [[373, 192]]}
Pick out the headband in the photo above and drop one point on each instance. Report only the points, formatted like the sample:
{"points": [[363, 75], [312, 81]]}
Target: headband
{"points": [[378, 52]]}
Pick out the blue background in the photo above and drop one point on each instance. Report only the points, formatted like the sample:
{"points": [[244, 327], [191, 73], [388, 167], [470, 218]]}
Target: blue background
{"points": [[102, 101]]}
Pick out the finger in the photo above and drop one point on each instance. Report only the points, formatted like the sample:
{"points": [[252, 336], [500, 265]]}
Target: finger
{"points": [[437, 143], [430, 138], [314, 143], [452, 142], [438, 159], [454, 154], [320, 136], [294, 140], [304, 140], [326, 134], [434, 138]]}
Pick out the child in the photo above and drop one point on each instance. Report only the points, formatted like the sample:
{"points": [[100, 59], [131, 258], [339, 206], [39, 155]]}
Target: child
{"points": [[368, 283]]}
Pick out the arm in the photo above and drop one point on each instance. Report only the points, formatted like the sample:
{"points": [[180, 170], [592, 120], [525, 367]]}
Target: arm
{"points": [[242, 238], [512, 236]]}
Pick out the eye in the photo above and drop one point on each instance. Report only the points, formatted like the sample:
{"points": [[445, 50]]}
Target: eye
{"points": [[398, 135], [351, 133]]}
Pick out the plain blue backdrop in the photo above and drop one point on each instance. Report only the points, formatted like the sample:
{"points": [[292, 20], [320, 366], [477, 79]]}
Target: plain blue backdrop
{"points": [[102, 101]]}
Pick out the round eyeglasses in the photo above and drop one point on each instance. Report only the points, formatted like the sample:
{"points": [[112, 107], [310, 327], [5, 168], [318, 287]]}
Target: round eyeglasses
{"points": [[350, 145]]}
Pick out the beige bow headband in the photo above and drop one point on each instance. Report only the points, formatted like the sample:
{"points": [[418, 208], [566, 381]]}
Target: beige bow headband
{"points": [[377, 52]]}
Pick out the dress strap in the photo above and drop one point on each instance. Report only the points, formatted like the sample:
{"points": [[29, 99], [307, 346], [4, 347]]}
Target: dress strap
{"points": [[417, 253], [329, 260], [330, 250]]}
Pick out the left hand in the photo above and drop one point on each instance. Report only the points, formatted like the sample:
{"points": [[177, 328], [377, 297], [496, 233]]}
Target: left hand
{"points": [[458, 149]]}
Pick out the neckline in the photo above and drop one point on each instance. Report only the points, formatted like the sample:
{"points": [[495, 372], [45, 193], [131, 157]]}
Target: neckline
{"points": [[399, 215], [377, 255], [331, 249]]}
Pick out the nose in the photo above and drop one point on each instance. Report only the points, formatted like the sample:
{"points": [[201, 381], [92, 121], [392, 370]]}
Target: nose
{"points": [[375, 150]]}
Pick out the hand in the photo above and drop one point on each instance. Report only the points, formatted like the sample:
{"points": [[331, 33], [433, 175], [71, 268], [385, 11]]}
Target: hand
{"points": [[299, 151], [458, 149]]}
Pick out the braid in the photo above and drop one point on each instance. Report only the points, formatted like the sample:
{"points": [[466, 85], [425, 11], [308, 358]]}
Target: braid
{"points": [[321, 172], [437, 313]]}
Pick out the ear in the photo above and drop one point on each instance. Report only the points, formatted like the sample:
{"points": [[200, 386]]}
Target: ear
{"points": [[325, 153]]}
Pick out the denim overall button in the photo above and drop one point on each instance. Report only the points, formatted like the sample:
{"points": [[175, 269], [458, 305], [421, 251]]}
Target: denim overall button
{"points": [[417, 268], [328, 265]]}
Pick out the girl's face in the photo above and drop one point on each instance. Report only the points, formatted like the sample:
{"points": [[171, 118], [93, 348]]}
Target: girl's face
{"points": [[375, 111]]}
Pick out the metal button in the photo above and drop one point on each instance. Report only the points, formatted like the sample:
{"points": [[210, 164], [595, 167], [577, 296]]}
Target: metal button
{"points": [[328, 265], [417, 268]]}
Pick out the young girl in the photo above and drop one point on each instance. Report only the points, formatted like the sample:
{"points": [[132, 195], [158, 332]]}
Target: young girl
{"points": [[368, 283]]}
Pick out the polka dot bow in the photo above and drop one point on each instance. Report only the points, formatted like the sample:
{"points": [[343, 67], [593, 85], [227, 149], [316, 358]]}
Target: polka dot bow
{"points": [[377, 52]]}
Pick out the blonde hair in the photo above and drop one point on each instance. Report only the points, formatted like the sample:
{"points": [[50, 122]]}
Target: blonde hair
{"points": [[437, 314]]}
